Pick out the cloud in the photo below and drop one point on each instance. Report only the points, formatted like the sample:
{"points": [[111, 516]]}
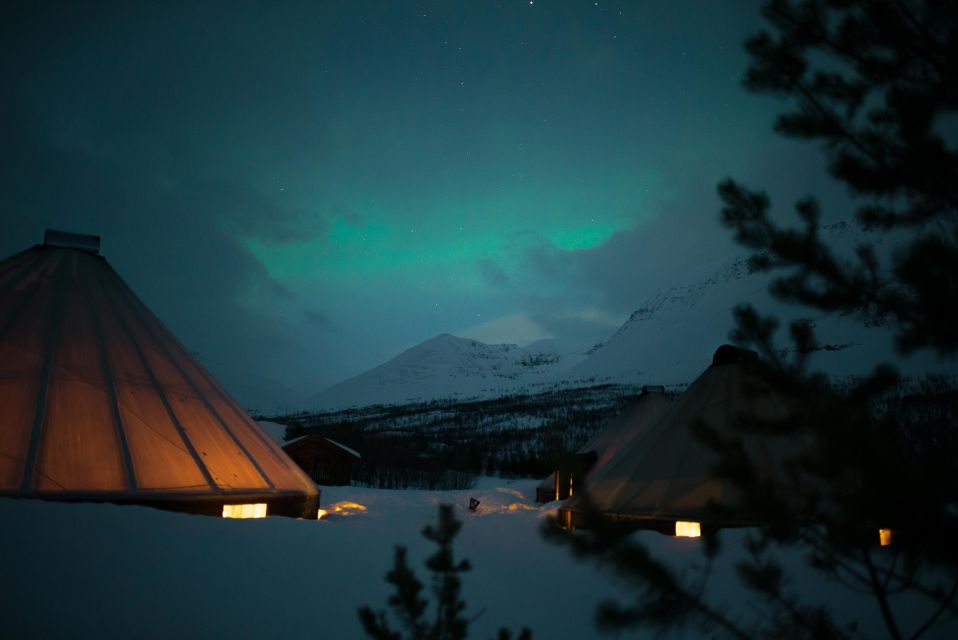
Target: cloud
{"points": [[557, 286], [184, 147], [174, 233], [318, 319], [580, 327], [492, 273], [245, 211], [580, 293], [350, 216], [515, 328]]}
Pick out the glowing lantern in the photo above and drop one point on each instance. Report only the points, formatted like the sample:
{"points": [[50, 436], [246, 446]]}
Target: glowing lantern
{"points": [[257, 510], [687, 529], [885, 536], [570, 485]]}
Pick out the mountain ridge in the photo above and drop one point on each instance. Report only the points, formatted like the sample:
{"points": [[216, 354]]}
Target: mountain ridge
{"points": [[668, 339], [448, 366]]}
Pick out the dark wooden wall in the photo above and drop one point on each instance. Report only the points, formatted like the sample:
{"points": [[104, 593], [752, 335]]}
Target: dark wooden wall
{"points": [[324, 462]]}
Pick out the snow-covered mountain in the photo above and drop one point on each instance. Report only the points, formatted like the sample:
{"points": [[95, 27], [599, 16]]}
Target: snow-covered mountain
{"points": [[669, 339], [449, 366]]}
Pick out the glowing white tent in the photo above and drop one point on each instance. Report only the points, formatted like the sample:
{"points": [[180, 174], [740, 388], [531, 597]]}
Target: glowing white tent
{"points": [[608, 442], [665, 473], [100, 402]]}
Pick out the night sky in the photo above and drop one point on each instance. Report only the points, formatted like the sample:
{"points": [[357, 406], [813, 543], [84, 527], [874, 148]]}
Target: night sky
{"points": [[302, 190]]}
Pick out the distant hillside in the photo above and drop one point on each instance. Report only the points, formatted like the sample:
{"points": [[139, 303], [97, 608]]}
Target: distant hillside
{"points": [[448, 366], [445, 443], [671, 336], [669, 339]]}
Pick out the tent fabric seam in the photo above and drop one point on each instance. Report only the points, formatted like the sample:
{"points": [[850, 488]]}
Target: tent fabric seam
{"points": [[271, 446], [111, 388], [19, 266], [129, 296], [53, 340], [161, 393]]}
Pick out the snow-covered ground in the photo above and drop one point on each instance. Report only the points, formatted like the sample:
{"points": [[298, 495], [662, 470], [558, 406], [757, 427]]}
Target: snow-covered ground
{"points": [[95, 570]]}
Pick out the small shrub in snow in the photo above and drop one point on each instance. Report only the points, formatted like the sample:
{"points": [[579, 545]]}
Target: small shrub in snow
{"points": [[409, 609]]}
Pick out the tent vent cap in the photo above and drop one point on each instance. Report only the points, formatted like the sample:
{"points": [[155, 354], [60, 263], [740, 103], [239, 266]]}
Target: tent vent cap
{"points": [[653, 388], [728, 354], [68, 240]]}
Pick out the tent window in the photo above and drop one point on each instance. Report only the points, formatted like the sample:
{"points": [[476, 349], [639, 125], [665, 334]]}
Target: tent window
{"points": [[885, 537], [688, 529], [257, 510]]}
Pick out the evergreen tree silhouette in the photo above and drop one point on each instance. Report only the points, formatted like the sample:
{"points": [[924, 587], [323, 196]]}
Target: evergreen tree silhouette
{"points": [[410, 609], [875, 83]]}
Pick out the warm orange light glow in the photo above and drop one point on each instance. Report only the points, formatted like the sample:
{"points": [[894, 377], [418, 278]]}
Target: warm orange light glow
{"points": [[321, 513], [556, 476], [570, 485], [346, 508], [687, 529], [885, 536], [257, 510]]}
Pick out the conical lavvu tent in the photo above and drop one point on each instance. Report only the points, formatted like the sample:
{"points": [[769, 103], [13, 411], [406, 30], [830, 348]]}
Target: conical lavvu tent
{"points": [[665, 475], [640, 416], [608, 442], [100, 402]]}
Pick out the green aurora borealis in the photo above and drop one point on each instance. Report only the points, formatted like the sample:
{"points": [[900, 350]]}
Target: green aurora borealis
{"points": [[303, 189], [450, 231]]}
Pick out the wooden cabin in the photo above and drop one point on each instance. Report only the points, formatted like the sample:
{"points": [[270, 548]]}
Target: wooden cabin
{"points": [[323, 459]]}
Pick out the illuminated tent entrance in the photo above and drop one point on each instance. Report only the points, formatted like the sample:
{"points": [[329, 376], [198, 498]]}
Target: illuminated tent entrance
{"points": [[663, 479], [100, 402], [604, 445]]}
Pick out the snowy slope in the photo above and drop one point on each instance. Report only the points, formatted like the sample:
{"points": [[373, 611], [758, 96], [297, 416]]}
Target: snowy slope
{"points": [[671, 337], [448, 366], [136, 572], [109, 571]]}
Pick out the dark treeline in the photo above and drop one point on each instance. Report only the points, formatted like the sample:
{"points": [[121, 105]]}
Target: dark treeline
{"points": [[445, 444], [925, 410]]}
